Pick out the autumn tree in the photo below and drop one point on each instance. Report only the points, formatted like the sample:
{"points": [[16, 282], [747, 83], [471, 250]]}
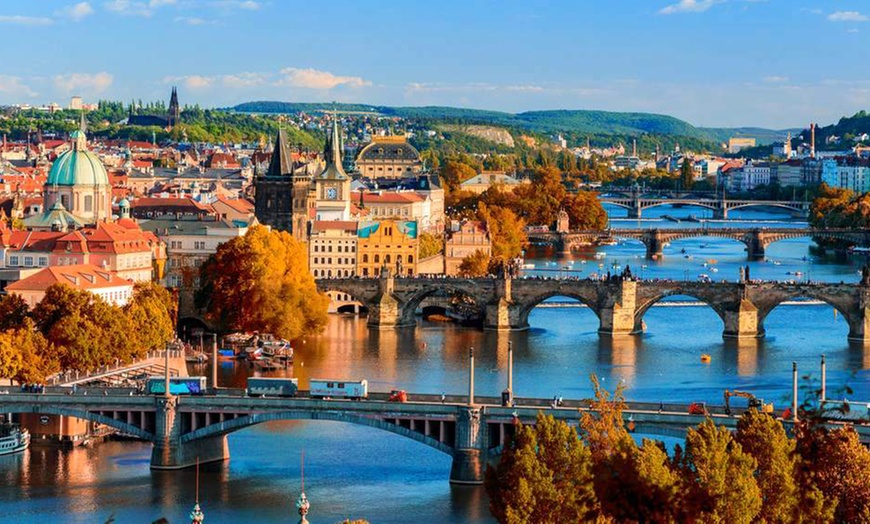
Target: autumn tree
{"points": [[544, 475], [763, 437], [261, 282], [719, 476], [13, 311], [25, 355], [836, 462], [506, 231], [585, 211], [475, 264], [151, 312], [430, 245]]}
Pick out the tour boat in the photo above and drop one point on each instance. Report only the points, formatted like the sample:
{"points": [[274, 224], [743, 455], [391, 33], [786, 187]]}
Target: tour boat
{"points": [[13, 439], [705, 358]]}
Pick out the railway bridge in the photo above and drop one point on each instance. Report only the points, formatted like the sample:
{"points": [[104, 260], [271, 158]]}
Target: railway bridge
{"points": [[619, 303], [471, 430], [756, 240]]}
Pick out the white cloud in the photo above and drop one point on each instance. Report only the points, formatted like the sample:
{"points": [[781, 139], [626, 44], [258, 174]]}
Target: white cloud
{"points": [[129, 8], [688, 6], [315, 79], [191, 20], [25, 20], [76, 12], [84, 82], [847, 16], [158, 3], [242, 80], [249, 5], [12, 85], [775, 79]]}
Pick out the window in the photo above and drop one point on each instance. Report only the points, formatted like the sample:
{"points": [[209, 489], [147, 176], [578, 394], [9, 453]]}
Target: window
{"points": [[43, 261], [13, 260], [199, 245], [28, 261], [365, 259], [387, 259], [410, 259], [377, 258], [89, 203]]}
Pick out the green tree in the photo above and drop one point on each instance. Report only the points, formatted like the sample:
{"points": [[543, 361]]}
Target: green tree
{"points": [[260, 282], [720, 477], [430, 245], [544, 475], [687, 174]]}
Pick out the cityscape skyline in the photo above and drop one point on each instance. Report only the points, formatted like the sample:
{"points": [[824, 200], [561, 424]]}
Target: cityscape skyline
{"points": [[715, 63]]}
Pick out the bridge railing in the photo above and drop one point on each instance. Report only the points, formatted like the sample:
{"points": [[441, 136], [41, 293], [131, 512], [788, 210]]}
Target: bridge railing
{"points": [[108, 370]]}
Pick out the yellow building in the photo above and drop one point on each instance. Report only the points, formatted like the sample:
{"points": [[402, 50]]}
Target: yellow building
{"points": [[389, 243], [463, 241]]}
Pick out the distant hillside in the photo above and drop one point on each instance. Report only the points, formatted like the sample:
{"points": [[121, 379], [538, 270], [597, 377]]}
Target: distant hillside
{"points": [[846, 130], [556, 121]]}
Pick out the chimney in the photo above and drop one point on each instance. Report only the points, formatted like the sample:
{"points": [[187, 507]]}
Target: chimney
{"points": [[812, 140], [634, 147]]}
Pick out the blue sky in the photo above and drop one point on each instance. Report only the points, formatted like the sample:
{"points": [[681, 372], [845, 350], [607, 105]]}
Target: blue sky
{"points": [[773, 63]]}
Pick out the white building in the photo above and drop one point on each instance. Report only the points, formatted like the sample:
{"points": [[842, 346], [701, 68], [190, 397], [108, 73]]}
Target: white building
{"points": [[84, 277]]}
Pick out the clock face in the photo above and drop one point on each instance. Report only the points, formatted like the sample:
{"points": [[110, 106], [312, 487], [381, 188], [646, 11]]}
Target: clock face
{"points": [[332, 193]]}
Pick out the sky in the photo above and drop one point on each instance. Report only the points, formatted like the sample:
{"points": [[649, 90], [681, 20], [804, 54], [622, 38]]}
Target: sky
{"points": [[722, 63]]}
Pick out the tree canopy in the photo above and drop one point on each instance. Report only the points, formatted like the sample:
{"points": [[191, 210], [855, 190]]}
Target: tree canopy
{"points": [[261, 282]]}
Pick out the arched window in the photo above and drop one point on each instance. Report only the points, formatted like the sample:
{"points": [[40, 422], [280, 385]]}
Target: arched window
{"points": [[399, 258], [315, 273], [365, 259], [410, 259], [387, 259], [377, 258], [329, 273]]}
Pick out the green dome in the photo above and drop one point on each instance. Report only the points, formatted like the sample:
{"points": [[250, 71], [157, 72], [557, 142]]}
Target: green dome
{"points": [[78, 168]]}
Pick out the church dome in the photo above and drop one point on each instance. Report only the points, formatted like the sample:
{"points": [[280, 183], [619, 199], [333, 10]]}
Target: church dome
{"points": [[78, 166]]}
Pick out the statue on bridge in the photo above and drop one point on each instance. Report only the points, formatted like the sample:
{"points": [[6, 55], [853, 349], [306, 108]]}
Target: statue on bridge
{"points": [[865, 275]]}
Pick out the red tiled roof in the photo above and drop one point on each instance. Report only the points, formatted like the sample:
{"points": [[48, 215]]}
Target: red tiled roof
{"points": [[391, 198], [80, 276]]}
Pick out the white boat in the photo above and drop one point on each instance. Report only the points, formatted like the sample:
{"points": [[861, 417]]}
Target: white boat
{"points": [[599, 256], [528, 266], [13, 439]]}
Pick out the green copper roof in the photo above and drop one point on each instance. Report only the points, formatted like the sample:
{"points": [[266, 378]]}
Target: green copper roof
{"points": [[78, 168]]}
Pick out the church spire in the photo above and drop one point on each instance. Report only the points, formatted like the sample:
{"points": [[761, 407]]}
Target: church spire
{"points": [[280, 163], [174, 108]]}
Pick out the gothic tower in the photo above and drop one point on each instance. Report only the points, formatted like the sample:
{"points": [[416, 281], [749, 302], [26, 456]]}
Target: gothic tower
{"points": [[281, 194], [174, 109]]}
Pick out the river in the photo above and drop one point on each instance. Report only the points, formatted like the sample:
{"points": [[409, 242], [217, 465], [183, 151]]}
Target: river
{"points": [[354, 471]]}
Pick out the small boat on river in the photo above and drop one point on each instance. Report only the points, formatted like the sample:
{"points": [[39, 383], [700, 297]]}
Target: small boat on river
{"points": [[13, 439]]}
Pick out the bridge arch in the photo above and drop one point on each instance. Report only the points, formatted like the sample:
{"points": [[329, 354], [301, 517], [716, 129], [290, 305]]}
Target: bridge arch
{"points": [[645, 305], [762, 203], [690, 203], [44, 409], [253, 419], [442, 289], [531, 303]]}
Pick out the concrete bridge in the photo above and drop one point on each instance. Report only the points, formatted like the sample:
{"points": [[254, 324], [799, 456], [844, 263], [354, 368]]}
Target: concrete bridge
{"points": [[756, 240], [471, 430], [636, 203], [505, 303]]}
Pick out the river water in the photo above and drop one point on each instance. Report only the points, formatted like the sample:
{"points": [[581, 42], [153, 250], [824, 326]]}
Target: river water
{"points": [[361, 472]]}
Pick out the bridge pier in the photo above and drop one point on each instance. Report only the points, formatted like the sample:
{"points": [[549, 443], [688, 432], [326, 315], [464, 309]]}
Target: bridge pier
{"points": [[654, 243], [859, 325], [503, 314], [755, 246], [617, 318], [170, 452], [470, 454], [720, 213], [742, 322], [635, 212]]}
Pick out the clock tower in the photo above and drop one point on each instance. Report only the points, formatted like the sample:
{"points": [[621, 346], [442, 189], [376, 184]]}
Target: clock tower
{"points": [[333, 184]]}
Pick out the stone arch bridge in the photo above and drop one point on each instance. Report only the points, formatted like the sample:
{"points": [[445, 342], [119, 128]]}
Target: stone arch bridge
{"points": [[620, 305], [189, 429], [756, 240]]}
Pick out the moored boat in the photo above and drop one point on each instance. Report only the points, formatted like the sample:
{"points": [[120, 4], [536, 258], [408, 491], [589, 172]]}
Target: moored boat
{"points": [[13, 439]]}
